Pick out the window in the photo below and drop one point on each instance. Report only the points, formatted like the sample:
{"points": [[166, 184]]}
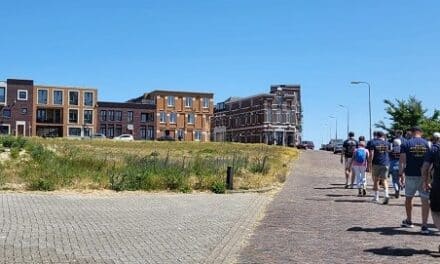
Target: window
{"points": [[173, 118], [75, 131], [188, 101], [51, 116], [73, 116], [118, 115], [205, 102], [170, 100], [143, 117], [4, 129], [73, 98], [111, 115], [150, 132], [198, 135], [6, 113], [22, 95], [88, 98], [143, 132], [147, 117], [57, 97], [88, 117], [130, 116], [42, 96], [103, 130], [191, 118], [2, 94], [103, 115], [110, 131], [162, 117], [87, 131], [118, 130]]}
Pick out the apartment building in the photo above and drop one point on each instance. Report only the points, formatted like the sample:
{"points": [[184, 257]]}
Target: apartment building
{"points": [[61, 111], [16, 107], [183, 116], [272, 118], [136, 119]]}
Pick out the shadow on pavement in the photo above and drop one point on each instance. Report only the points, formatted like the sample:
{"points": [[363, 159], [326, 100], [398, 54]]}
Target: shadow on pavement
{"points": [[401, 252], [351, 201], [339, 195], [329, 188], [387, 231]]}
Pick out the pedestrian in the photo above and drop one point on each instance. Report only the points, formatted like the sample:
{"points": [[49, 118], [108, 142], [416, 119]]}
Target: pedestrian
{"points": [[432, 160], [361, 138], [359, 164], [379, 162], [348, 147], [394, 166], [412, 156]]}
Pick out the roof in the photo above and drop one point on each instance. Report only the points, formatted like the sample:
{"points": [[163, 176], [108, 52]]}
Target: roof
{"points": [[170, 92], [64, 87], [20, 82], [126, 105]]}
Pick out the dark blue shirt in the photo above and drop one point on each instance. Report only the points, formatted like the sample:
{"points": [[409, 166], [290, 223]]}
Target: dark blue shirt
{"points": [[415, 150], [430, 157], [395, 153], [381, 149]]}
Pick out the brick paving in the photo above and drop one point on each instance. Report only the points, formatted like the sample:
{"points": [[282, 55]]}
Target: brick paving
{"points": [[315, 220], [125, 228]]}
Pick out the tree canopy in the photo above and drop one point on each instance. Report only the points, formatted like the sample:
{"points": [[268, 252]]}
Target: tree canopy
{"points": [[405, 114]]}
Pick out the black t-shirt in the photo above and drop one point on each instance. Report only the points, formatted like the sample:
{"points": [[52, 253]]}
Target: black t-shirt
{"points": [[415, 150], [349, 146], [380, 148]]}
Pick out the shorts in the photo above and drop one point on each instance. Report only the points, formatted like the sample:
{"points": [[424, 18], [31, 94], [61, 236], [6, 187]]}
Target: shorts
{"points": [[347, 163], [414, 184], [380, 171]]}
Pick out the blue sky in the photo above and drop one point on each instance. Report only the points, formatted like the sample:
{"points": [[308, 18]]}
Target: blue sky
{"points": [[232, 48]]}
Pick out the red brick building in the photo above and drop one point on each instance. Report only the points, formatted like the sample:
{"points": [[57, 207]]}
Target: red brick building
{"points": [[16, 99], [137, 119], [272, 118]]}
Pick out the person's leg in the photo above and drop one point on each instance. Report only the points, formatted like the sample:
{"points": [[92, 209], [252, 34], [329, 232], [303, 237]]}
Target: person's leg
{"points": [[436, 218], [411, 185], [375, 174], [408, 208], [425, 211], [346, 171]]}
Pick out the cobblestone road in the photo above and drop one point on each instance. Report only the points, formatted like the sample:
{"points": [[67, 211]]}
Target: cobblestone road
{"points": [[315, 220], [125, 228]]}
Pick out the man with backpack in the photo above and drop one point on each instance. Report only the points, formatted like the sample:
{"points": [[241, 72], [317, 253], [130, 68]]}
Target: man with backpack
{"points": [[359, 165], [348, 148], [412, 157], [379, 162]]}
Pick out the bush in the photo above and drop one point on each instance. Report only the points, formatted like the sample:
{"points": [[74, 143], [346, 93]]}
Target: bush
{"points": [[15, 152], [218, 187], [41, 184]]}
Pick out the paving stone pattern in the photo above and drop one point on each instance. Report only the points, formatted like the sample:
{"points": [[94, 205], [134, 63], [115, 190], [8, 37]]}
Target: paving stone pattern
{"points": [[125, 228], [315, 220]]}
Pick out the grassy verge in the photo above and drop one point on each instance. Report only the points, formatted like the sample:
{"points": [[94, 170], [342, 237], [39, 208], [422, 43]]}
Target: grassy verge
{"points": [[50, 164]]}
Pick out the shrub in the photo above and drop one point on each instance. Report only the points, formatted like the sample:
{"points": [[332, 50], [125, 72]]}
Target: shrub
{"points": [[42, 184], [218, 187], [7, 141], [15, 152]]}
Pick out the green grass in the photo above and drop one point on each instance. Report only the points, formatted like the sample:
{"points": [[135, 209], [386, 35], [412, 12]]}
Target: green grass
{"points": [[50, 164]]}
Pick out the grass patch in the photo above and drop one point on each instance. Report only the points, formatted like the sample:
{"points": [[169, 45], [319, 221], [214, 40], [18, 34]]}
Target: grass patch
{"points": [[49, 164]]}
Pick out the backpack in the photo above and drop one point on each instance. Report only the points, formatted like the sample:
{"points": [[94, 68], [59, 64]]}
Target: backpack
{"points": [[350, 147], [360, 155]]}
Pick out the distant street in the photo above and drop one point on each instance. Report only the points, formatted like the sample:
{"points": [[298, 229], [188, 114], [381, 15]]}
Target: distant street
{"points": [[315, 220]]}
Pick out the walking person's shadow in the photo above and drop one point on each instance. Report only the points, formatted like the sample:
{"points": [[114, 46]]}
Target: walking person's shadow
{"points": [[402, 252]]}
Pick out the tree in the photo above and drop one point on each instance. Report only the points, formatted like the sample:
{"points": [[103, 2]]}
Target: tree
{"points": [[405, 114]]}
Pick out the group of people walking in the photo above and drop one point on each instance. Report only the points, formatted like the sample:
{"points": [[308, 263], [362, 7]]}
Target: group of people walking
{"points": [[413, 163]]}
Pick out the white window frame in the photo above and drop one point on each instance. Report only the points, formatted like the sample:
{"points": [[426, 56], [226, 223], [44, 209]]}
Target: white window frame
{"points": [[168, 100], [206, 99], [9, 128], [79, 99], [4, 86], [84, 117], [188, 119], [68, 115], [189, 99], [38, 96], [160, 117], [175, 119], [84, 98], [20, 123], [53, 97], [18, 95], [68, 131], [199, 132]]}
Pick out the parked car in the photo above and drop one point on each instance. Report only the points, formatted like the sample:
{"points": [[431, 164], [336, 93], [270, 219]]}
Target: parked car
{"points": [[124, 137], [97, 136], [333, 143], [306, 145], [337, 148]]}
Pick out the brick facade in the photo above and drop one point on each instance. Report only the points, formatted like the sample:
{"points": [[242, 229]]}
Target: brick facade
{"points": [[273, 118], [126, 118]]}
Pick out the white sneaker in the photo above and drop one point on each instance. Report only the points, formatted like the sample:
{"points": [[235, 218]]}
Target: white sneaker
{"points": [[375, 200]]}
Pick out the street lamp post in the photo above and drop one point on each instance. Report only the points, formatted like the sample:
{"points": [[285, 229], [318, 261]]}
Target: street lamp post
{"points": [[336, 133], [369, 100], [348, 117]]}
